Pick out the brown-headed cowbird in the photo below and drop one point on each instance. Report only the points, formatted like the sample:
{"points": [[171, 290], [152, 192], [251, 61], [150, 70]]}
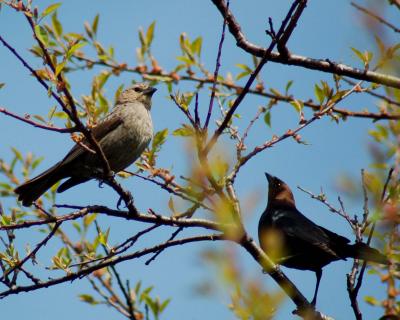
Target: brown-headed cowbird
{"points": [[123, 135], [292, 240]]}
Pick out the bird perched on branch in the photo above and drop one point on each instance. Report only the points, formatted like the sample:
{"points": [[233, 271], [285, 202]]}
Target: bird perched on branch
{"points": [[292, 240], [122, 135]]}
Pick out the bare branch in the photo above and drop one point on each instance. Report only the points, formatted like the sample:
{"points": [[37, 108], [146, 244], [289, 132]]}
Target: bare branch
{"points": [[82, 211], [82, 273], [287, 134], [27, 119], [34, 251], [217, 66], [324, 65], [353, 287], [376, 17], [297, 6]]}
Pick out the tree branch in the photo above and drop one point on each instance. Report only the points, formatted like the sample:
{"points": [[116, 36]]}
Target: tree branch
{"points": [[27, 120], [324, 65], [375, 16], [82, 273], [296, 7], [216, 71], [82, 211]]}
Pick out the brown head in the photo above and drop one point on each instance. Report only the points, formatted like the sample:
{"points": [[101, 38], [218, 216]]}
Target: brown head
{"points": [[279, 192], [140, 92]]}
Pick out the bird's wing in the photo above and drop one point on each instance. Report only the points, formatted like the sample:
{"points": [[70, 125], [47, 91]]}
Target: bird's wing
{"points": [[298, 227], [99, 132], [335, 238]]}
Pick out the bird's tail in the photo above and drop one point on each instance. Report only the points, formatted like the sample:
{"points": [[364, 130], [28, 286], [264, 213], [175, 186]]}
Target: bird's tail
{"points": [[364, 252], [31, 190]]}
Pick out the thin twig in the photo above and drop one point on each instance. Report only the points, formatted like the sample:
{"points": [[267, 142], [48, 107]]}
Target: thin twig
{"points": [[82, 211], [354, 288], [284, 98], [375, 16], [81, 273], [324, 65], [34, 251], [170, 190], [27, 119], [185, 111], [216, 71], [119, 281], [321, 198], [297, 5], [288, 133]]}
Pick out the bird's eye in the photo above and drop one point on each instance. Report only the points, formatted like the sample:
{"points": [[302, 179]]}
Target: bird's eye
{"points": [[137, 89]]}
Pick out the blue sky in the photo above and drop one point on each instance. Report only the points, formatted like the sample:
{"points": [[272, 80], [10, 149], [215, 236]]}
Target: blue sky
{"points": [[326, 30]]}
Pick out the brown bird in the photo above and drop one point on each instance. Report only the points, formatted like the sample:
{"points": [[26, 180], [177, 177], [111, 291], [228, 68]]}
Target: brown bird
{"points": [[292, 240], [123, 135]]}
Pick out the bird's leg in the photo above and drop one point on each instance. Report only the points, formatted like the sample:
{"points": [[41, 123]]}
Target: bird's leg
{"points": [[318, 274]]}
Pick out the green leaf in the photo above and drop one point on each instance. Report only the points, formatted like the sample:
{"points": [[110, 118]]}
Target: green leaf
{"points": [[137, 287], [88, 299], [75, 47], [5, 186], [36, 162], [142, 39], [298, 105], [244, 67], [196, 46], [164, 305], [338, 95], [88, 219], [288, 86], [118, 92], [42, 34], [39, 117], [171, 205], [185, 59], [242, 75], [368, 56], [56, 24], [95, 23], [384, 131], [50, 9], [60, 68], [267, 118], [103, 237], [376, 135], [359, 54], [77, 226], [184, 131], [275, 92], [150, 34], [17, 154], [371, 300], [319, 93], [145, 293], [5, 220], [159, 139]]}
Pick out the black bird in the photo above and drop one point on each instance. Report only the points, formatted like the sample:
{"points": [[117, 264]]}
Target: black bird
{"points": [[292, 240]]}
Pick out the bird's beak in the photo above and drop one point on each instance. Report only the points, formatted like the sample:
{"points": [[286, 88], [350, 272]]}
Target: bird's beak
{"points": [[269, 177], [149, 91]]}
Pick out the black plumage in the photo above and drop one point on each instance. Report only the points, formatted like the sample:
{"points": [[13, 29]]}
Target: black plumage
{"points": [[292, 240]]}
